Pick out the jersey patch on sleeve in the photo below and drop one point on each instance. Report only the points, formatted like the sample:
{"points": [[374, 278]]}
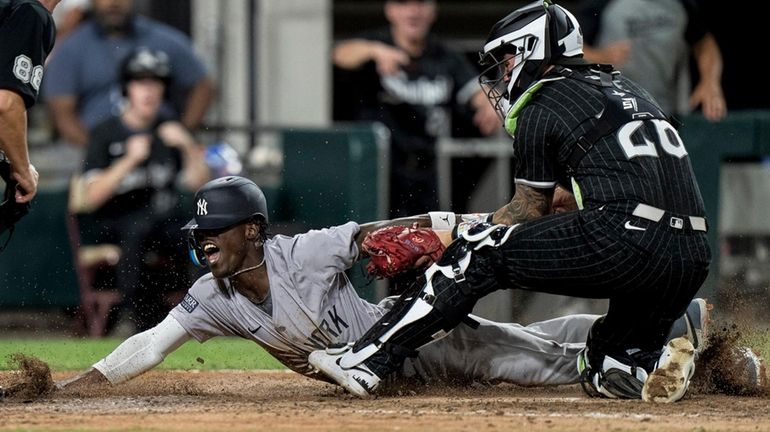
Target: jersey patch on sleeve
{"points": [[189, 303], [22, 68], [26, 72]]}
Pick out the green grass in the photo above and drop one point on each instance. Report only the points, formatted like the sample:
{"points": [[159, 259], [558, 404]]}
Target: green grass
{"points": [[79, 354], [71, 354]]}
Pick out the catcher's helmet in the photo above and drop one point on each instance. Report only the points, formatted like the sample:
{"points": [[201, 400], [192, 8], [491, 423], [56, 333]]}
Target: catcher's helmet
{"points": [[221, 203], [522, 45], [145, 63]]}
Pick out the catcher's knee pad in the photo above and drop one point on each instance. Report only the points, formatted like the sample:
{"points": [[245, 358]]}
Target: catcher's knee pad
{"points": [[421, 315]]}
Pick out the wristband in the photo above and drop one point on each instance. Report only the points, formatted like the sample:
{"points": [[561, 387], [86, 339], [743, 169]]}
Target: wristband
{"points": [[442, 220]]}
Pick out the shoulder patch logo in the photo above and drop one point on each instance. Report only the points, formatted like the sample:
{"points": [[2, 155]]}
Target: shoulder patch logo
{"points": [[189, 303], [202, 210]]}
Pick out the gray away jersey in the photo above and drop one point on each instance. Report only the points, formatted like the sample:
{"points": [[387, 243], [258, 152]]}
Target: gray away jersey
{"points": [[314, 303]]}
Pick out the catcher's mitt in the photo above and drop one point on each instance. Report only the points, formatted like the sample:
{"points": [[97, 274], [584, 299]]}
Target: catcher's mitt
{"points": [[10, 210], [396, 249]]}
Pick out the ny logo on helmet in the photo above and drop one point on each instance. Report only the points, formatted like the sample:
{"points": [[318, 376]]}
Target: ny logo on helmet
{"points": [[202, 204]]}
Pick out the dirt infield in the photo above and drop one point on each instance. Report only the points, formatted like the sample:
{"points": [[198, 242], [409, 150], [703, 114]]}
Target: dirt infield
{"points": [[284, 401]]}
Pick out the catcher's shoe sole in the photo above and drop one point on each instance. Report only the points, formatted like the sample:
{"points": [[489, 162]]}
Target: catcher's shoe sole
{"points": [[670, 381], [358, 380]]}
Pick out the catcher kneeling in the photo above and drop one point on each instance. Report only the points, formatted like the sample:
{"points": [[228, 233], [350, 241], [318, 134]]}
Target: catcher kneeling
{"points": [[291, 296]]}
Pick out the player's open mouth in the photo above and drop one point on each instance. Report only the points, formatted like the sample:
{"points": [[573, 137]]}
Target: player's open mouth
{"points": [[212, 252]]}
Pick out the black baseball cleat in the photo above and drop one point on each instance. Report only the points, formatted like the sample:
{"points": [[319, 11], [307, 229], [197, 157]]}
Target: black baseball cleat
{"points": [[358, 380], [615, 379], [667, 380]]}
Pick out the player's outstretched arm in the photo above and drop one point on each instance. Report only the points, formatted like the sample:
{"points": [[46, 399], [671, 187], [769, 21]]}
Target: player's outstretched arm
{"points": [[136, 355], [441, 222]]}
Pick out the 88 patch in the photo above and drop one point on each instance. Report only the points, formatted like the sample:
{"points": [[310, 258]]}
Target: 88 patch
{"points": [[26, 72]]}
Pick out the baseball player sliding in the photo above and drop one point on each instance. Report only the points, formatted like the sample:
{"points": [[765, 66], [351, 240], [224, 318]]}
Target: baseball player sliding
{"points": [[291, 296]]}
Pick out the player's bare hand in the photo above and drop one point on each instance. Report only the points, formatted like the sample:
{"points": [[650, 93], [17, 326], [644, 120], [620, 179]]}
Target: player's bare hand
{"points": [[710, 98], [27, 179], [138, 147], [88, 378], [174, 134], [615, 53], [423, 262], [389, 60], [485, 117], [487, 120], [563, 201]]}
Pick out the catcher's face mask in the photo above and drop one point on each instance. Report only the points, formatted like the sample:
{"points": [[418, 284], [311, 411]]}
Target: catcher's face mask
{"points": [[522, 45]]}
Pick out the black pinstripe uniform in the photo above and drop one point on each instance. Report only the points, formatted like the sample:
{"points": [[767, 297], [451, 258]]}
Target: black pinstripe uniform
{"points": [[650, 266], [649, 270], [27, 33]]}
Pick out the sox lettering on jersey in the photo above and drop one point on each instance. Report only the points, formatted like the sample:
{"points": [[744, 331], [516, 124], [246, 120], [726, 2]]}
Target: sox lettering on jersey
{"points": [[318, 338]]}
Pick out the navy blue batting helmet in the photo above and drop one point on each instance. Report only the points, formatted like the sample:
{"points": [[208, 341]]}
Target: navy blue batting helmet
{"points": [[227, 201]]}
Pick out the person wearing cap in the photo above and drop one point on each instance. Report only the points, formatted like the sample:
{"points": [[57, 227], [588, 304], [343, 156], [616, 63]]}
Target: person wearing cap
{"points": [[290, 295], [82, 86], [137, 167]]}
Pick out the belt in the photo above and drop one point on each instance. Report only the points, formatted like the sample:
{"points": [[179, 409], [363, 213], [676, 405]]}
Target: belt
{"points": [[655, 214]]}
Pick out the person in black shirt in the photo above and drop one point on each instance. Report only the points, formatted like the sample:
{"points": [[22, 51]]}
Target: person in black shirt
{"points": [[27, 35], [410, 81], [638, 238], [136, 166]]}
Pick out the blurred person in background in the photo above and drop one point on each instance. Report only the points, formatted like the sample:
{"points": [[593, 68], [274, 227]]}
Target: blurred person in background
{"points": [[651, 42], [410, 81], [69, 15], [732, 28], [137, 167], [83, 88], [27, 35]]}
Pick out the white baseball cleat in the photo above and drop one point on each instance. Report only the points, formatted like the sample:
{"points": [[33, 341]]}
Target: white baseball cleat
{"points": [[358, 380], [671, 379]]}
